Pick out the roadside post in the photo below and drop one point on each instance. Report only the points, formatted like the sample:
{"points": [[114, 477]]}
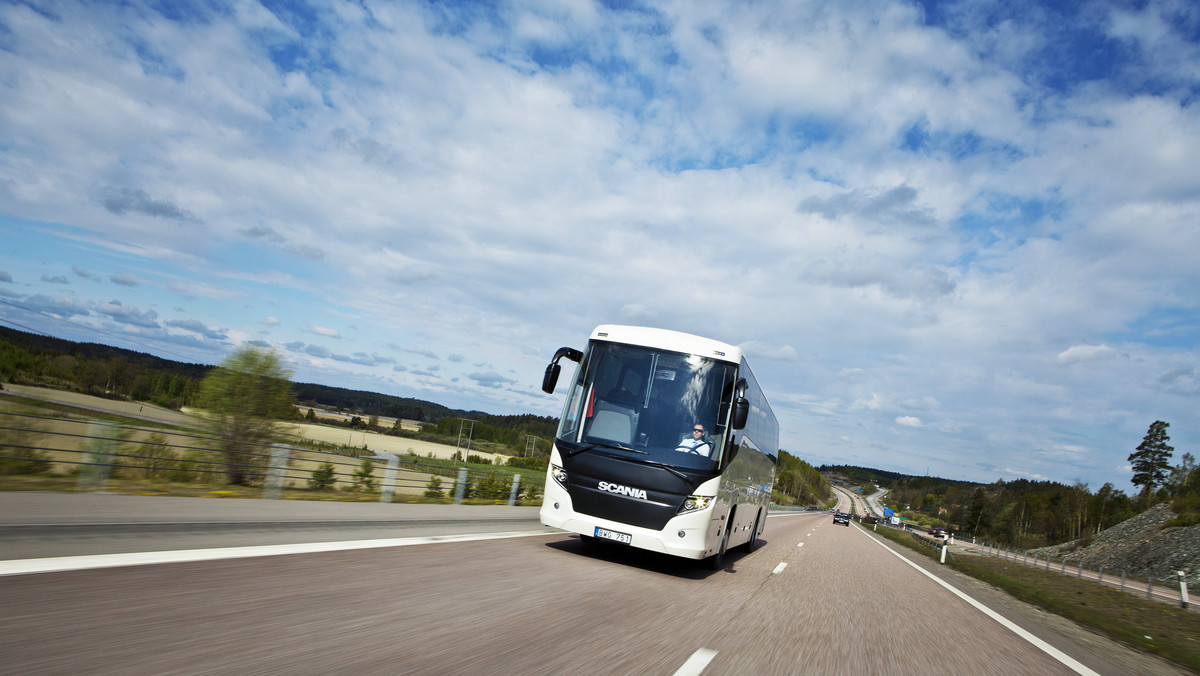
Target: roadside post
{"points": [[944, 552], [94, 475], [512, 495], [461, 486], [389, 477], [1183, 596], [273, 489]]}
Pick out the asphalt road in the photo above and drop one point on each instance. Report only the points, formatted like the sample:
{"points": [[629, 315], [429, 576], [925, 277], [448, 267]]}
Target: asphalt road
{"points": [[812, 599]]}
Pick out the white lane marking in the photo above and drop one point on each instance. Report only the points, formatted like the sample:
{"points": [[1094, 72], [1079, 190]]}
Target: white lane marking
{"points": [[696, 663], [779, 568], [800, 545], [1050, 650], [65, 563]]}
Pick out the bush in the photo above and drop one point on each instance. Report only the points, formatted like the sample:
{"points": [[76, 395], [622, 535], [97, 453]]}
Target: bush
{"points": [[156, 460], [493, 487], [20, 457], [196, 466], [364, 477], [322, 477], [433, 489], [540, 464], [530, 491], [23, 461]]}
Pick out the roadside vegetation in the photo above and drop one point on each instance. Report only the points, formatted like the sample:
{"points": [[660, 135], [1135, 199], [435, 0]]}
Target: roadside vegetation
{"points": [[1030, 514], [115, 373], [1160, 628], [50, 446], [799, 483]]}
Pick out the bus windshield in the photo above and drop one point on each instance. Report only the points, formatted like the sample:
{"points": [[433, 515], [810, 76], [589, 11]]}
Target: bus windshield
{"points": [[657, 405]]}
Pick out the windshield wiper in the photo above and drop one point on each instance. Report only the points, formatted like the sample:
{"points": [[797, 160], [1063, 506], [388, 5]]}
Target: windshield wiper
{"points": [[663, 465], [619, 447]]}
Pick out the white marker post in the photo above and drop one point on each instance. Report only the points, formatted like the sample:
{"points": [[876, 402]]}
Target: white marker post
{"points": [[1183, 599]]}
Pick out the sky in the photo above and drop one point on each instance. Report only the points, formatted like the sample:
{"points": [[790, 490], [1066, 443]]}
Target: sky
{"points": [[953, 238]]}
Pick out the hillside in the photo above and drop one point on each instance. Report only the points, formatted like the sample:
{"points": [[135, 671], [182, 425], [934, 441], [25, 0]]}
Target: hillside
{"points": [[1139, 545]]}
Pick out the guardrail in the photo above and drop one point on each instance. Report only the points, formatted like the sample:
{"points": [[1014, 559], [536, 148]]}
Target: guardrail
{"points": [[1161, 588], [1172, 589], [97, 453]]}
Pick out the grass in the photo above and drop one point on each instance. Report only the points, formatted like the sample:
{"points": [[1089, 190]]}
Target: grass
{"points": [[1152, 626]]}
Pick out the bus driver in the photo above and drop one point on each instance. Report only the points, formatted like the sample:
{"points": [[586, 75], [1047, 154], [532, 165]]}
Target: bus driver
{"points": [[696, 442]]}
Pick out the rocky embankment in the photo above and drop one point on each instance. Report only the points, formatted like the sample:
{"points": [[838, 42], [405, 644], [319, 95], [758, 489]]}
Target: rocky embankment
{"points": [[1140, 546]]}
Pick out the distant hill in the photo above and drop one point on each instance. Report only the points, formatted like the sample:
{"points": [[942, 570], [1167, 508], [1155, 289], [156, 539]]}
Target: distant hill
{"points": [[34, 359], [867, 475], [48, 346], [370, 403]]}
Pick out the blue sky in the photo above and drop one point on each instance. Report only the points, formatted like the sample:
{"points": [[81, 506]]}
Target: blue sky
{"points": [[954, 237]]}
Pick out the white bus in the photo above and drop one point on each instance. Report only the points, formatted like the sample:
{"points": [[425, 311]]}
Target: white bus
{"points": [[666, 443]]}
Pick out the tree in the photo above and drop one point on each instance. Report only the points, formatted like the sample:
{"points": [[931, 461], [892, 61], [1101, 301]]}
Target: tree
{"points": [[323, 477], [1151, 460], [243, 397], [1179, 474], [364, 476]]}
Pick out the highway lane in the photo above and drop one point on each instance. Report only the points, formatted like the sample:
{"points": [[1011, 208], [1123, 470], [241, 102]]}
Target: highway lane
{"points": [[55, 524], [812, 599]]}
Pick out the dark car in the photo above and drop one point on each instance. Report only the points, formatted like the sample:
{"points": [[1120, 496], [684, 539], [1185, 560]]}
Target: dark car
{"points": [[842, 518], [939, 533]]}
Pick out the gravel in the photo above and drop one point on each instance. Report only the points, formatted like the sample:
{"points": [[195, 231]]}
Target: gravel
{"points": [[1140, 546]]}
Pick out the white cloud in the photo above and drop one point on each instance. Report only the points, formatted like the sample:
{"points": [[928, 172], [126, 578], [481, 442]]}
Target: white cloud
{"points": [[893, 211], [1077, 353]]}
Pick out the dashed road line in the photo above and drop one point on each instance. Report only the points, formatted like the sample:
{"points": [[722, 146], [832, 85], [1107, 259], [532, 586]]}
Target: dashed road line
{"points": [[696, 663]]}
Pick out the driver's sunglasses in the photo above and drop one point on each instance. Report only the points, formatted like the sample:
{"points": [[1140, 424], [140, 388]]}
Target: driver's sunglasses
{"points": [[699, 429]]}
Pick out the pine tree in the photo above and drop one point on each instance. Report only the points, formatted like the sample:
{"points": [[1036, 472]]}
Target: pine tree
{"points": [[1151, 460]]}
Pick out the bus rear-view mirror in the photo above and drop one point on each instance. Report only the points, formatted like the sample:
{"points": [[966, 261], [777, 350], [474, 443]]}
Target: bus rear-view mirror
{"points": [[551, 378]]}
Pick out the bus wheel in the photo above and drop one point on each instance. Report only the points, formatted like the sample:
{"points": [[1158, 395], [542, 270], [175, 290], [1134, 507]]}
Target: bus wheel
{"points": [[753, 541], [717, 561]]}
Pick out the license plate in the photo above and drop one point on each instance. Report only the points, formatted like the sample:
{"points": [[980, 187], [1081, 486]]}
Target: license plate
{"points": [[623, 538]]}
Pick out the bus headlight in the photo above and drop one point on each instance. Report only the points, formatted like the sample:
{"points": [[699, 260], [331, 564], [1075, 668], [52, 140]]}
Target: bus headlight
{"points": [[559, 474], [695, 503]]}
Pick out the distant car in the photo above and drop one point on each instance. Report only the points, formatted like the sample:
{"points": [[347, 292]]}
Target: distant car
{"points": [[938, 533], [842, 518]]}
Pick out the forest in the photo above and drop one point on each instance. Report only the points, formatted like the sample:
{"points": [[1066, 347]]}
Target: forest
{"points": [[799, 483]]}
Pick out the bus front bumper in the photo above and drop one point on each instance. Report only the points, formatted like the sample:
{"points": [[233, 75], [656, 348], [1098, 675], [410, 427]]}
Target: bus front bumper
{"points": [[685, 535]]}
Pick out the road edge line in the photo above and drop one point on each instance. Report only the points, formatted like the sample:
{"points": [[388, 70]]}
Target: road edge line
{"points": [[94, 561], [1050, 650]]}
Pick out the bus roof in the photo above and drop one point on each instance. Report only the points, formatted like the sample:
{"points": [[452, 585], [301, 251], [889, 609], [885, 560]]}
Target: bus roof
{"points": [[665, 339]]}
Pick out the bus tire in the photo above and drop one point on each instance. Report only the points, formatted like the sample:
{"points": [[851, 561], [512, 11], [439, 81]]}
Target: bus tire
{"points": [[717, 561], [752, 543]]}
